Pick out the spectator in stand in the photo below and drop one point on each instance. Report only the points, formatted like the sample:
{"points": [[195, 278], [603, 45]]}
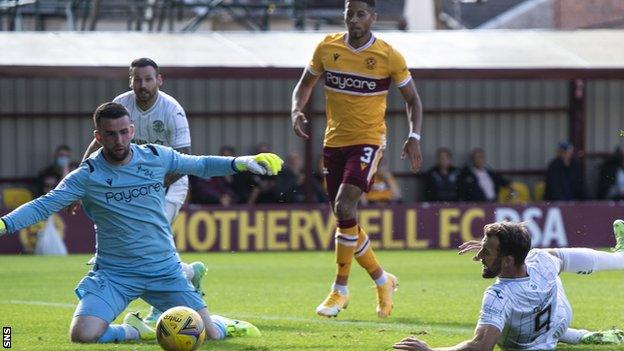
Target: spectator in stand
{"points": [[47, 181], [263, 188], [564, 177], [46, 237], [442, 180], [240, 183], [215, 190], [385, 188], [611, 182], [319, 174], [478, 182], [62, 164], [290, 186]]}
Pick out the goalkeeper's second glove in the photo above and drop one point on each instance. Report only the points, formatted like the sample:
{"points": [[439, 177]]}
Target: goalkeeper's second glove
{"points": [[263, 164], [2, 227]]}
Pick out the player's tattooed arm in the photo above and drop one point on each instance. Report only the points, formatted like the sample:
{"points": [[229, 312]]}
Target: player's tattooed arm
{"points": [[171, 178]]}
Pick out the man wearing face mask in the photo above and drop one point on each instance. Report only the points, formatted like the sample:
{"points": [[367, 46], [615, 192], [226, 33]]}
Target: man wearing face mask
{"points": [[61, 165], [526, 308]]}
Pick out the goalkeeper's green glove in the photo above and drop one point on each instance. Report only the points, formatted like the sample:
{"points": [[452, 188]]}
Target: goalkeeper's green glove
{"points": [[2, 227], [263, 164]]}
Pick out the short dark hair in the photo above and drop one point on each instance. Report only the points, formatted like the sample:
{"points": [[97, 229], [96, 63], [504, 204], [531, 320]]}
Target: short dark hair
{"points": [[444, 150], [62, 147], [109, 110], [514, 239], [143, 62], [474, 153], [227, 149], [370, 3]]}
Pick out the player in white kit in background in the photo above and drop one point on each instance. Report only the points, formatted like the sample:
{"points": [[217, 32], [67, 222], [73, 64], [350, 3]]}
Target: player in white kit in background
{"points": [[526, 308], [159, 119]]}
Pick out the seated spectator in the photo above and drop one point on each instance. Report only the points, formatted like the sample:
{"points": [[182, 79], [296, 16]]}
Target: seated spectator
{"points": [[263, 189], [212, 191], [217, 190], [442, 180], [478, 182], [385, 188], [564, 177], [611, 182], [45, 237], [46, 182], [318, 176], [290, 186], [62, 164]]}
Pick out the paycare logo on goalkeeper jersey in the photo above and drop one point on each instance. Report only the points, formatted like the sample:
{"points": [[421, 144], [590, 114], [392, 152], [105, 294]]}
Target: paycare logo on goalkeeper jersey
{"points": [[129, 195], [355, 84]]}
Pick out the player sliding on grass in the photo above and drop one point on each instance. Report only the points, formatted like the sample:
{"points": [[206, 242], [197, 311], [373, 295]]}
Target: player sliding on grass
{"points": [[358, 71], [121, 187], [159, 119], [527, 309]]}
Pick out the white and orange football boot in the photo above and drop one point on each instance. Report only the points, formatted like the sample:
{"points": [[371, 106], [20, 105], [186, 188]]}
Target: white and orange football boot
{"points": [[384, 296], [333, 304]]}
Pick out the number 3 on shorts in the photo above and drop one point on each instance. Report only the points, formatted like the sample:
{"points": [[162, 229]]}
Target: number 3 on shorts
{"points": [[368, 152]]}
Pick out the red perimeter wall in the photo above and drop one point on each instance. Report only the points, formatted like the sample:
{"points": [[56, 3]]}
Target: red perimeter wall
{"points": [[396, 227]]}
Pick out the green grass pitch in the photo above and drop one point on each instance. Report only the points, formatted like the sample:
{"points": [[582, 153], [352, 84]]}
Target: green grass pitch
{"points": [[439, 297]]}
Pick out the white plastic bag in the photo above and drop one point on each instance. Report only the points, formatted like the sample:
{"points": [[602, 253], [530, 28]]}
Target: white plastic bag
{"points": [[49, 241]]}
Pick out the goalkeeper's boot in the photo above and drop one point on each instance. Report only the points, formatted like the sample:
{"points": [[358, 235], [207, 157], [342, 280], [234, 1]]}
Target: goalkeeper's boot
{"points": [[384, 296], [618, 231], [199, 269], [237, 328], [152, 317], [606, 337], [333, 304], [145, 331]]}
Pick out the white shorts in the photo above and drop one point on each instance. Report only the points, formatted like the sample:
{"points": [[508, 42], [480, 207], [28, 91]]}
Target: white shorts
{"points": [[175, 197]]}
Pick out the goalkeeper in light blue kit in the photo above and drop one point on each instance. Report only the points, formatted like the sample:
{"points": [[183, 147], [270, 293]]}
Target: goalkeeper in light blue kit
{"points": [[121, 187]]}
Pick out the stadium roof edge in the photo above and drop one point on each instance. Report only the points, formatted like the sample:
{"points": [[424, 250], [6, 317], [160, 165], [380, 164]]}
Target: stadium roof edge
{"points": [[592, 54]]}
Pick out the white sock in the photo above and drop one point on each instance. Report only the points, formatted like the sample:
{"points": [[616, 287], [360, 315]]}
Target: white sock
{"points": [[131, 332], [188, 271], [586, 261], [342, 289], [573, 336], [381, 280]]}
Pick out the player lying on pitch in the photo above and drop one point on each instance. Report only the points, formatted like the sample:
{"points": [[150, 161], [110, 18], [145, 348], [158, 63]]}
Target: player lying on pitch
{"points": [[526, 308], [121, 187]]}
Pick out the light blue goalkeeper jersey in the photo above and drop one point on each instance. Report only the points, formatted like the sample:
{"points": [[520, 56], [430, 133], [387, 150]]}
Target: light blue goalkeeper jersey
{"points": [[126, 203]]}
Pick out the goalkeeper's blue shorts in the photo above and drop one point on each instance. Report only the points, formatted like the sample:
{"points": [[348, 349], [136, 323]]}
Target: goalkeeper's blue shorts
{"points": [[105, 295]]}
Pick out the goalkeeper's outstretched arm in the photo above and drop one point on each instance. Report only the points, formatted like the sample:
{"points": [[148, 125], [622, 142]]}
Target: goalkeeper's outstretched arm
{"points": [[70, 189]]}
